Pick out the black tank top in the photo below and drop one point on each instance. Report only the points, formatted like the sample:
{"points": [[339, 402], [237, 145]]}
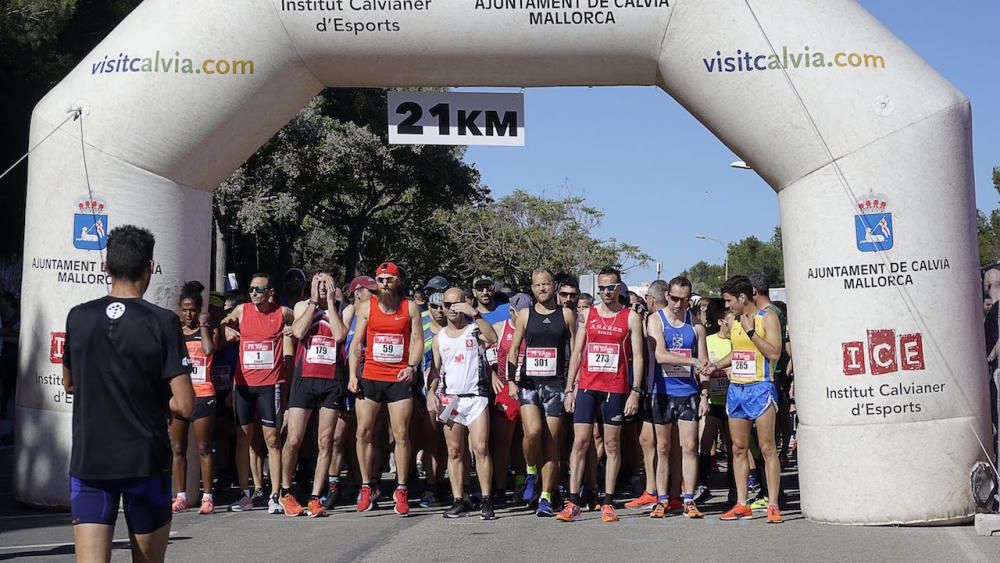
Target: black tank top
{"points": [[546, 338]]}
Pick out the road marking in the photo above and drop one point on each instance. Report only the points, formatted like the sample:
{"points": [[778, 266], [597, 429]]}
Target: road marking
{"points": [[50, 545]]}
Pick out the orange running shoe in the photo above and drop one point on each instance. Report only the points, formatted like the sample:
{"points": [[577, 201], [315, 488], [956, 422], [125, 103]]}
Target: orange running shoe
{"points": [[402, 502], [315, 508], [659, 511], [569, 512], [179, 505], [691, 511], [207, 506], [291, 505], [608, 513], [365, 499], [738, 512], [645, 500], [773, 514], [675, 504]]}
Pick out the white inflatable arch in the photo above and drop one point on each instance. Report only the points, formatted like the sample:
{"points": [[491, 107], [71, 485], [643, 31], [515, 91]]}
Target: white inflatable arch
{"points": [[868, 148]]}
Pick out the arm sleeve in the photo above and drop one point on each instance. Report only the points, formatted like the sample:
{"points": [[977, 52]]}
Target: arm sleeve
{"points": [[175, 356]]}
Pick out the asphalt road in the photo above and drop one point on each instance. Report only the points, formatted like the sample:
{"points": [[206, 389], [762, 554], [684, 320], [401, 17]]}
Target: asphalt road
{"points": [[29, 535]]}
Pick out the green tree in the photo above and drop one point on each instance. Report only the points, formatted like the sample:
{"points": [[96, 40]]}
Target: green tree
{"points": [[989, 228], [331, 191], [745, 256], [508, 238], [706, 279]]}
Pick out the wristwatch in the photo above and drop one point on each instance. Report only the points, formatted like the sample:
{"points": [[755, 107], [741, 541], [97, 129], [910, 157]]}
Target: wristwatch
{"points": [[751, 332], [313, 303], [637, 390]]}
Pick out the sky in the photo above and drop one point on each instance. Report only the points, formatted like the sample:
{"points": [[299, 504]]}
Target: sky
{"points": [[637, 143]]}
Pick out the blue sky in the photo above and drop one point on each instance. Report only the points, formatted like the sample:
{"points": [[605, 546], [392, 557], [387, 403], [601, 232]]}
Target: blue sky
{"points": [[637, 142]]}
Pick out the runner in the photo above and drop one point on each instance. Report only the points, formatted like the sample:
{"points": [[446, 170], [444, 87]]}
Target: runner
{"points": [[752, 397], [485, 294], [547, 329], [656, 299], [464, 388], [318, 384], [201, 341], [717, 326], [679, 396], [569, 291], [507, 412], [127, 368], [425, 426], [602, 355], [257, 393], [390, 331]]}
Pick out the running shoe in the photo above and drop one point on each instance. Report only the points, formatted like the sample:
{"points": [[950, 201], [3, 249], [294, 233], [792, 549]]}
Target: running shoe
{"points": [[760, 504], [274, 505], [702, 494], [691, 511], [241, 505], [773, 514], [646, 500], [429, 499], [315, 508], [457, 510], [179, 505], [737, 512], [259, 498], [608, 513], [290, 505], [529, 488], [568, 513], [207, 506], [544, 508], [332, 494], [365, 501], [486, 510], [659, 511], [402, 506]]}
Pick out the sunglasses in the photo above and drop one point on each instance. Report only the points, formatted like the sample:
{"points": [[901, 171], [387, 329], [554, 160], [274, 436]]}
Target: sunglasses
{"points": [[448, 305], [611, 287], [568, 294], [385, 279], [435, 306], [258, 289], [676, 299]]}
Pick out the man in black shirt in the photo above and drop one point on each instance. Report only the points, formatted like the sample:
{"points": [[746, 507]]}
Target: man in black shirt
{"points": [[127, 366]]}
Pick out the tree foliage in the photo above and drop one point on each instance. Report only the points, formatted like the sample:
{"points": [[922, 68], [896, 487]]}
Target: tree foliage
{"points": [[989, 228], [745, 256]]}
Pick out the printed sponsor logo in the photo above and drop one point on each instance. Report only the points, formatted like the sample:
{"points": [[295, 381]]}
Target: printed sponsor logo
{"points": [[785, 58], [90, 224], [163, 63], [885, 353], [873, 224], [57, 345]]}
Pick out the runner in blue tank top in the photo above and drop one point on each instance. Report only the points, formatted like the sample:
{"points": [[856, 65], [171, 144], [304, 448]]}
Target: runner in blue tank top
{"points": [[681, 394]]}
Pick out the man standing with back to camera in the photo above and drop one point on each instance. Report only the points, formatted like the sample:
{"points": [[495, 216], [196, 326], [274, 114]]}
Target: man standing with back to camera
{"points": [[127, 366]]}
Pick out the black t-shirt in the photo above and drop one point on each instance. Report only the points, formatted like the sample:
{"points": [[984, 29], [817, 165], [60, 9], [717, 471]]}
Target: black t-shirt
{"points": [[122, 354]]}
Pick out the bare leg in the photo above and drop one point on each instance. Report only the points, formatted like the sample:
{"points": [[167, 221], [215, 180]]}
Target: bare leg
{"points": [[479, 435], [583, 435], [399, 419], [324, 440], [772, 467], [663, 437], [455, 437], [367, 413], [244, 438], [179, 444], [532, 420], [297, 419], [272, 438], [500, 444], [688, 431], [204, 429], [550, 471], [739, 430], [93, 542], [612, 439], [151, 547], [647, 442]]}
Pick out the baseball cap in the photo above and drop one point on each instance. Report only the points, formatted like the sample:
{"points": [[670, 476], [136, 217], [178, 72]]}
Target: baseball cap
{"points": [[362, 281], [483, 281], [520, 301], [436, 297], [216, 299], [437, 283], [388, 269]]}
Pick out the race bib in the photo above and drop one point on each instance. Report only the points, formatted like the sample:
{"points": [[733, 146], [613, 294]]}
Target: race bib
{"points": [[258, 354], [718, 385], [198, 369], [744, 364], [541, 362], [388, 348], [602, 358], [448, 408], [678, 371], [322, 350], [491, 355]]}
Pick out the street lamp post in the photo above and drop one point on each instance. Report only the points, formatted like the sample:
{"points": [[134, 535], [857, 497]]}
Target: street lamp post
{"points": [[720, 243]]}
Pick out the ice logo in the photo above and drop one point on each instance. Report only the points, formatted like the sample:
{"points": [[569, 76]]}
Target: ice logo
{"points": [[90, 224], [873, 224]]}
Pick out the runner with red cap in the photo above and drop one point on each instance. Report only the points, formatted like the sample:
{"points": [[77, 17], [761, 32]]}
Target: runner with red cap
{"points": [[389, 329], [318, 384], [257, 393]]}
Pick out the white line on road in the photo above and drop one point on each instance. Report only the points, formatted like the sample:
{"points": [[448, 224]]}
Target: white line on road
{"points": [[49, 545]]}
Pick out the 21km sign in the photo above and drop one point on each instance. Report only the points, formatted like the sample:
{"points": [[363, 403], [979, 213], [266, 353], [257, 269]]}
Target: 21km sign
{"points": [[456, 118]]}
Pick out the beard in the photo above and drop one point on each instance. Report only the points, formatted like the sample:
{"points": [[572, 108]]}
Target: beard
{"points": [[388, 294]]}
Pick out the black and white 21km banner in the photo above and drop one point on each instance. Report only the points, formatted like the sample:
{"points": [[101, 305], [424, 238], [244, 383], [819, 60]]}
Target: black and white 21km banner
{"points": [[456, 118]]}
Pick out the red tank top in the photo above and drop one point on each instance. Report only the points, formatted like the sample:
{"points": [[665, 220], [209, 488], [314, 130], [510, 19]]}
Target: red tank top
{"points": [[607, 352], [201, 366], [503, 350], [262, 339], [387, 342], [318, 354]]}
